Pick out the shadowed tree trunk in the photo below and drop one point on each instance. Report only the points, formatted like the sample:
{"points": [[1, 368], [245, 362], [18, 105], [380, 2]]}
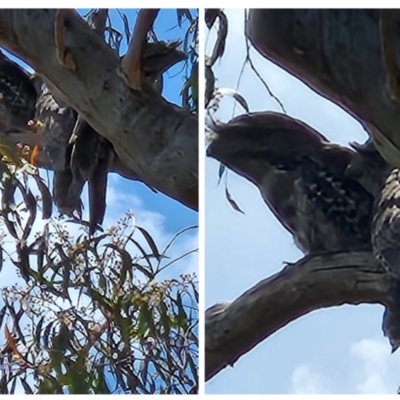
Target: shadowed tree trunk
{"points": [[156, 142], [345, 56]]}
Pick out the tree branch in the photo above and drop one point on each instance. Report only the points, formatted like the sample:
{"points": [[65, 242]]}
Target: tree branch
{"points": [[339, 54], [154, 139], [312, 283], [387, 34], [131, 63], [99, 20]]}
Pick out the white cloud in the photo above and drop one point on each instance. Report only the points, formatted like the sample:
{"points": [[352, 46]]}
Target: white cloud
{"points": [[306, 381], [120, 202], [373, 359], [370, 368]]}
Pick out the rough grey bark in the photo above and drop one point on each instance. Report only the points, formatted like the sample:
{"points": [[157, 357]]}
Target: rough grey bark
{"points": [[156, 141]]}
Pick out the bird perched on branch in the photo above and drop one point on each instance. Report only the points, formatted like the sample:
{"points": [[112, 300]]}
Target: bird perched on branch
{"points": [[382, 180], [144, 63], [302, 178], [329, 197], [69, 146]]}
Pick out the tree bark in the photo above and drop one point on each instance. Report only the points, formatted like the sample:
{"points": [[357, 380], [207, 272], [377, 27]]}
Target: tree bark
{"points": [[312, 283], [347, 56], [155, 140]]}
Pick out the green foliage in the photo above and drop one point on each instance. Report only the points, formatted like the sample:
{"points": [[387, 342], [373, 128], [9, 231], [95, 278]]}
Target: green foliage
{"points": [[190, 89], [96, 315]]}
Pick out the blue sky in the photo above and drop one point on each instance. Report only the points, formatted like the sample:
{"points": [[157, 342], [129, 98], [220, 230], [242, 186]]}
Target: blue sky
{"points": [[337, 350], [161, 216]]}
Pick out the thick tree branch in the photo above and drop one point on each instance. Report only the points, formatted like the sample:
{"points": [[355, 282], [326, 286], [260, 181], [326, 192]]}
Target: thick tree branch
{"points": [[339, 54], [154, 139], [234, 329]]}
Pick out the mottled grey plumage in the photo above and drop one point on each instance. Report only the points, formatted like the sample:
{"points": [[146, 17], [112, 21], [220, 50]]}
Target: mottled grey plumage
{"points": [[17, 96], [92, 155], [80, 154], [383, 182], [386, 248], [380, 179], [368, 167], [302, 178], [386, 224], [55, 123]]}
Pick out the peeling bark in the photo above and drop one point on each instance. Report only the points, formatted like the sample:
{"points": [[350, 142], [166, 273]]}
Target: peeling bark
{"points": [[156, 141]]}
